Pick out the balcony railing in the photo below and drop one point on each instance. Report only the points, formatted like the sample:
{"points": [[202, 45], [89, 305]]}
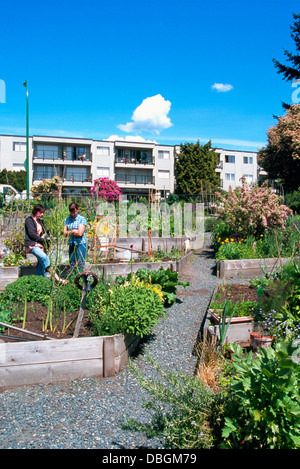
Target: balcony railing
{"points": [[135, 160], [39, 176], [60, 154], [135, 179]]}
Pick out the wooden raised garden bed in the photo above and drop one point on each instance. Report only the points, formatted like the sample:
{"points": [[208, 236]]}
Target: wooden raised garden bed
{"points": [[103, 270], [240, 328], [51, 361], [248, 268]]}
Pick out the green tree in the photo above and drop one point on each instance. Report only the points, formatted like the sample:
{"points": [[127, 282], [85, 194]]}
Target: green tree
{"points": [[291, 70], [17, 179], [281, 157], [195, 168]]}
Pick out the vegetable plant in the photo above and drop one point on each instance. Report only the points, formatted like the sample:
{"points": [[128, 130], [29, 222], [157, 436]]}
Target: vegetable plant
{"points": [[132, 309], [263, 409], [166, 279]]}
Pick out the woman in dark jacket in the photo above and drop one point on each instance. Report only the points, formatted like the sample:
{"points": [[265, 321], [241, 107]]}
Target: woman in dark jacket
{"points": [[36, 236]]}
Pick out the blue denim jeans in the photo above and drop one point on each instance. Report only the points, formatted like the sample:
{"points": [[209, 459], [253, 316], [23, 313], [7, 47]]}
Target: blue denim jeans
{"points": [[43, 261], [77, 254]]}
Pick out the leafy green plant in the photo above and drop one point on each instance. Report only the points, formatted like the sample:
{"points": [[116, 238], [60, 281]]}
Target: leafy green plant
{"points": [[132, 309], [263, 408], [37, 288], [242, 308], [167, 280], [6, 311], [225, 323], [279, 303]]}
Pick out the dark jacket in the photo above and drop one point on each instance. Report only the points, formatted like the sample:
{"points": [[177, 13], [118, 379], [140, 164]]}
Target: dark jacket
{"points": [[31, 236]]}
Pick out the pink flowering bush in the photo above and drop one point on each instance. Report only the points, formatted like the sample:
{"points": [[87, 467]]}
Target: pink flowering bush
{"points": [[105, 189], [252, 210], [281, 157]]}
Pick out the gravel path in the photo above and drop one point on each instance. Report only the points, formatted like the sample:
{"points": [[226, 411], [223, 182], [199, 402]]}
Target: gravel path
{"points": [[86, 413]]}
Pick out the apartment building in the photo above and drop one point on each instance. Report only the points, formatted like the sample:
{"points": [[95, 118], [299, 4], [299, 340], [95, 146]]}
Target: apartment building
{"points": [[233, 165], [139, 168]]}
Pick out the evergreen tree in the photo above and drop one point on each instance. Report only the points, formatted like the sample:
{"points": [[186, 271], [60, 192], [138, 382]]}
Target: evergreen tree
{"points": [[195, 168], [291, 71], [281, 157], [17, 179]]}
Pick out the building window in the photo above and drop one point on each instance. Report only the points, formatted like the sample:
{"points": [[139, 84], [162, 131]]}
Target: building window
{"points": [[248, 159], [102, 172], [77, 173], [45, 152], [19, 146], [163, 155], [229, 158], [18, 166], [229, 176], [164, 174], [103, 151], [249, 178]]}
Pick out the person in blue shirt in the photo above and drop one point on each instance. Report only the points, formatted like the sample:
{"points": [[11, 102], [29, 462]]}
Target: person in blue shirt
{"points": [[74, 227]]}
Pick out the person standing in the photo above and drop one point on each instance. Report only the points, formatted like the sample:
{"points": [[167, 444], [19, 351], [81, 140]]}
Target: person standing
{"points": [[74, 227], [36, 237]]}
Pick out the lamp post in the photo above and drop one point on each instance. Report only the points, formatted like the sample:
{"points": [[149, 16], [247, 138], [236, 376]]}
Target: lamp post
{"points": [[27, 141]]}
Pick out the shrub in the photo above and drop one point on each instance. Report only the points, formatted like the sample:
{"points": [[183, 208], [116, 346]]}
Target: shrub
{"points": [[293, 200], [252, 210], [35, 287], [106, 189], [263, 407], [40, 289], [165, 279], [280, 303], [130, 309]]}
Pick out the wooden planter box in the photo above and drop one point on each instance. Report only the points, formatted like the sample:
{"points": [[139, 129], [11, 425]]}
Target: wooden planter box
{"points": [[239, 329], [105, 270], [248, 268], [216, 319], [8, 275], [51, 361]]}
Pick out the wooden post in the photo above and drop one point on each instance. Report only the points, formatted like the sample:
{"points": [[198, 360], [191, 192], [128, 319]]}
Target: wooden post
{"points": [[108, 357], [82, 308]]}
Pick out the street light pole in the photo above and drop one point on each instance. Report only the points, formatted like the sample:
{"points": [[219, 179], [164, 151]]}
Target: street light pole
{"points": [[27, 141]]}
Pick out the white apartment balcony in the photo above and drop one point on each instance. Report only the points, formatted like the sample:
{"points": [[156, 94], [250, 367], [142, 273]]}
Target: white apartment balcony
{"points": [[134, 158], [57, 154], [219, 167], [134, 181]]}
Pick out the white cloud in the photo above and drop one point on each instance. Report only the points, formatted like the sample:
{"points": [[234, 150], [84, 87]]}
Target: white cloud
{"points": [[151, 115], [222, 87], [129, 138]]}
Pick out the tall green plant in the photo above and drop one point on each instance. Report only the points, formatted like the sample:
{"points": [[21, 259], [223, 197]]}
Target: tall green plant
{"points": [[130, 309], [263, 409]]}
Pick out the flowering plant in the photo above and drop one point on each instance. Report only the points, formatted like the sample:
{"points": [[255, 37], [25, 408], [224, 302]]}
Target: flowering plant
{"points": [[252, 210], [281, 157], [47, 186], [106, 189]]}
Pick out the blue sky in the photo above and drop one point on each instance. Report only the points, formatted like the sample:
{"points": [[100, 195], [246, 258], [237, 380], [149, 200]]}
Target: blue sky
{"points": [[134, 69]]}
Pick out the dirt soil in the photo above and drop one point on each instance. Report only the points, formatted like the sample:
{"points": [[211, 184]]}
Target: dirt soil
{"points": [[237, 292], [36, 319]]}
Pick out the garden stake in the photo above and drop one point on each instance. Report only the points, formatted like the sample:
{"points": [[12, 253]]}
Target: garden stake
{"points": [[85, 287]]}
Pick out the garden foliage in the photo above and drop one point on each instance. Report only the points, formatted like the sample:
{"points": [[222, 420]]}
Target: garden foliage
{"points": [[263, 409], [253, 210], [106, 189]]}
